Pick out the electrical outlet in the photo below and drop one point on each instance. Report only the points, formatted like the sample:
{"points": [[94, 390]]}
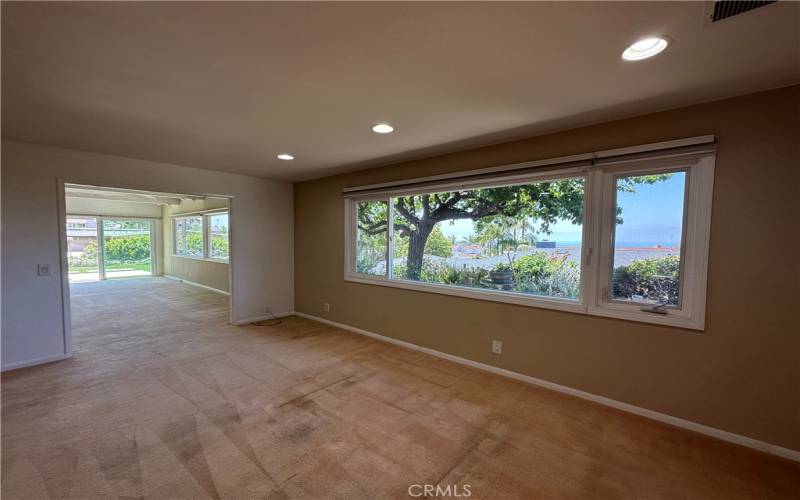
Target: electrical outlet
{"points": [[265, 310], [190, 275], [43, 269], [497, 347], [326, 307]]}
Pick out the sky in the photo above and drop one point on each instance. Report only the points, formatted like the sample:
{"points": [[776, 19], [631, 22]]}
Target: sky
{"points": [[651, 215]]}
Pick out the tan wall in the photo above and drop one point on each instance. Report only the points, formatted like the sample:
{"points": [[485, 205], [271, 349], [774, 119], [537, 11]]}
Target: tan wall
{"points": [[204, 272], [741, 375]]}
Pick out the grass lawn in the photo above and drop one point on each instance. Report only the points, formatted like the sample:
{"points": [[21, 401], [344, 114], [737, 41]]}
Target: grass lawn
{"points": [[111, 267]]}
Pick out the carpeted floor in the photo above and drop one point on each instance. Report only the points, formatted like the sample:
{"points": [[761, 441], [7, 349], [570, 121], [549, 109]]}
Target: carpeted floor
{"points": [[164, 399]]}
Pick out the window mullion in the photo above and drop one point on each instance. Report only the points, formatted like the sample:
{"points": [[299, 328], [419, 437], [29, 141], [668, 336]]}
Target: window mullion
{"points": [[101, 249], [591, 255], [206, 231], [606, 224], [352, 236], [390, 239]]}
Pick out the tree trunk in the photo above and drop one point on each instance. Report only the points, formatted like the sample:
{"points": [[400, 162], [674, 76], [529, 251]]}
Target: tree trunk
{"points": [[416, 250]]}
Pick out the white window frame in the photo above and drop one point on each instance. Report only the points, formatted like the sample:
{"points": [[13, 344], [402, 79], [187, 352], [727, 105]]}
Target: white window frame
{"points": [[101, 243], [690, 312], [206, 231], [598, 231], [175, 220], [207, 237]]}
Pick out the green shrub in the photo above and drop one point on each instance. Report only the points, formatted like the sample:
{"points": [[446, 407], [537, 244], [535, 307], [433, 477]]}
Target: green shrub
{"points": [[653, 279], [436, 271], [475, 277], [128, 249], [194, 243], [531, 267], [219, 246], [536, 273], [87, 258], [370, 251], [543, 274]]}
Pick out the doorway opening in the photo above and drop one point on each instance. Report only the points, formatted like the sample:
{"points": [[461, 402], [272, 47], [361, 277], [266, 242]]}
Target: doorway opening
{"points": [[139, 251]]}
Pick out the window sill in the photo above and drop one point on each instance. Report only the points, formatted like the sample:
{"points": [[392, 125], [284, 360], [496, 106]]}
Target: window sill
{"points": [[566, 305], [204, 259], [634, 313], [475, 293]]}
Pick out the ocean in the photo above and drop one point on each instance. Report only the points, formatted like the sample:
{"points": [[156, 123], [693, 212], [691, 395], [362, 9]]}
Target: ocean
{"points": [[624, 244]]}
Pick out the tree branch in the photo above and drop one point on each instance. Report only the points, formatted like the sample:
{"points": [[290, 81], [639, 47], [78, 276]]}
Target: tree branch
{"points": [[400, 206], [374, 227], [446, 207]]}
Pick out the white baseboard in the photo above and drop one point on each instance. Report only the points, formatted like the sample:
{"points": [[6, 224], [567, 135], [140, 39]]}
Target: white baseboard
{"points": [[36, 361], [247, 321], [661, 417], [175, 278]]}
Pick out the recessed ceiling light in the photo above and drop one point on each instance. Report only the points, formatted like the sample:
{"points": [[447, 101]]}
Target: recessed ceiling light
{"points": [[382, 128], [284, 156], [647, 47]]}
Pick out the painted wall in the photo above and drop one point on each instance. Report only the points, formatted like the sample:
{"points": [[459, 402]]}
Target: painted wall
{"points": [[742, 374], [32, 328], [205, 272], [89, 206]]}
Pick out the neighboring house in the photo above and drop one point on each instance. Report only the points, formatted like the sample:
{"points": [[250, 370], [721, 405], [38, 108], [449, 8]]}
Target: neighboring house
{"points": [[468, 250]]}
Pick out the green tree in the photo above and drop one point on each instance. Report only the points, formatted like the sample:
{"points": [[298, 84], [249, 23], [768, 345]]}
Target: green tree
{"points": [[437, 245], [500, 233], [415, 217]]}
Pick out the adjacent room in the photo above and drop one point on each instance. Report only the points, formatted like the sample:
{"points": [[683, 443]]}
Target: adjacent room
{"points": [[368, 250], [125, 233], [123, 242]]}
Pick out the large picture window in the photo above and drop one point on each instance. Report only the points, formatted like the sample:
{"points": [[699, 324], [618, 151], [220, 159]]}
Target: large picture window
{"points": [[202, 236], [625, 239], [493, 238]]}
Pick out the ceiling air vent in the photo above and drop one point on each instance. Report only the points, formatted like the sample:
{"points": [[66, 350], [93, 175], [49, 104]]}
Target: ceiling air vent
{"points": [[724, 9]]}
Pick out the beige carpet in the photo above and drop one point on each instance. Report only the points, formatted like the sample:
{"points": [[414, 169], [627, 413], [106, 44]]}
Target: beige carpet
{"points": [[164, 399]]}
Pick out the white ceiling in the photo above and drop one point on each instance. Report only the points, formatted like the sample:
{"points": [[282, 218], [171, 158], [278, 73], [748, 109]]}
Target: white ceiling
{"points": [[228, 86], [125, 195]]}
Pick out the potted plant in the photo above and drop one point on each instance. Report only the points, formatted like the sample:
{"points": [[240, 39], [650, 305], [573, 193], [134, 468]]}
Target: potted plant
{"points": [[502, 274]]}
